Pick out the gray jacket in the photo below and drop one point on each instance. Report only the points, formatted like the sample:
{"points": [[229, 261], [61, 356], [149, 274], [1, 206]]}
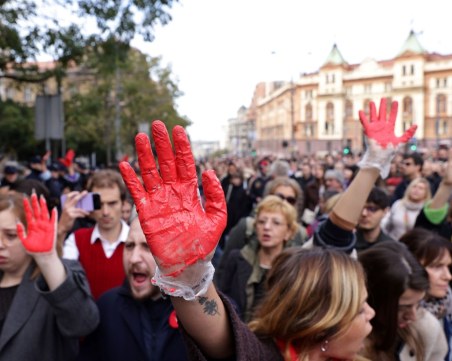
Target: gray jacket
{"points": [[42, 325]]}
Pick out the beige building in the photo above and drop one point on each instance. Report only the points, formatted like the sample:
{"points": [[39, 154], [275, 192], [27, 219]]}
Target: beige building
{"points": [[319, 111]]}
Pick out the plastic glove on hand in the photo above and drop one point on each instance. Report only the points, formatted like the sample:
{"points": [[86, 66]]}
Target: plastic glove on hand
{"points": [[382, 130], [381, 140], [41, 229], [177, 228]]}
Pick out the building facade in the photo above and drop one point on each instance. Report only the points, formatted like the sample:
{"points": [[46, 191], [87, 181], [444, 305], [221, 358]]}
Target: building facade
{"points": [[319, 111]]}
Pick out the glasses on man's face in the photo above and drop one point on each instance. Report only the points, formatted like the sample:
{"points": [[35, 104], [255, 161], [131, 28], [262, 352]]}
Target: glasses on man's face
{"points": [[289, 199]]}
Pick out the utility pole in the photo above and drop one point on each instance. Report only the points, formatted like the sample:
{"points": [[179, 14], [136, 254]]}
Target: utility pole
{"points": [[292, 118]]}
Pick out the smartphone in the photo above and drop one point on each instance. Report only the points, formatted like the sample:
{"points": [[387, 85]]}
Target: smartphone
{"points": [[89, 203]]}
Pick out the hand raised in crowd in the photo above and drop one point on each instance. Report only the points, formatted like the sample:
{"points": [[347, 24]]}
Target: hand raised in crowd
{"points": [[69, 213], [381, 129], [177, 228], [381, 140], [41, 229]]}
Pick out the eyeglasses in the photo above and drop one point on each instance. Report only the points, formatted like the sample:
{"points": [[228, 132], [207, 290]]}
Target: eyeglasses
{"points": [[371, 209], [290, 200]]}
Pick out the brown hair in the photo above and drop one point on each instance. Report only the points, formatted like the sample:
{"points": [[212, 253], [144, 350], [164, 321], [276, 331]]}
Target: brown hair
{"points": [[313, 295], [107, 178]]}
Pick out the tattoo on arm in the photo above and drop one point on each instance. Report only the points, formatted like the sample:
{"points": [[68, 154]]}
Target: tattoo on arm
{"points": [[210, 306]]}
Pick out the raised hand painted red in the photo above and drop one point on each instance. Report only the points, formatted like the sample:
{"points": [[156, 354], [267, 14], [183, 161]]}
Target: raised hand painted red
{"points": [[41, 229], [382, 130], [177, 228]]}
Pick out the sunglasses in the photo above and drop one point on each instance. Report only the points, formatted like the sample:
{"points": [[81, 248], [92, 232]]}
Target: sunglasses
{"points": [[290, 200]]}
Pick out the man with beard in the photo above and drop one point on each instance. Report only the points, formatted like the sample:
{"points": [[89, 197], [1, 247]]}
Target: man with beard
{"points": [[137, 323]]}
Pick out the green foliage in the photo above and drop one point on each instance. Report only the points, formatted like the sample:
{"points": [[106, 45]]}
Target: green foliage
{"points": [[17, 130], [90, 117], [29, 28]]}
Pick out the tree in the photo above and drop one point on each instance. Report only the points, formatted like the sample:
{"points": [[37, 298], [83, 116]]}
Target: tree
{"points": [[28, 28], [17, 131], [137, 87]]}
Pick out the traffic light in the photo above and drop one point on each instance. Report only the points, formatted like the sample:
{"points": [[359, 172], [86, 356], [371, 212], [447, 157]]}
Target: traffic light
{"points": [[413, 145], [346, 150]]}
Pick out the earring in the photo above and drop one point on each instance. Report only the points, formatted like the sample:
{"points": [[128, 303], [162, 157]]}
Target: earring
{"points": [[324, 346]]}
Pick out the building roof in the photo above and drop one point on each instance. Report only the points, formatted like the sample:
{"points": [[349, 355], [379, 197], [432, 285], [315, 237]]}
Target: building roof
{"points": [[412, 45], [335, 57]]}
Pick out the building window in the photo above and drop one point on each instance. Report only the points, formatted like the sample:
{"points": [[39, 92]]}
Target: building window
{"points": [[403, 70], [407, 107], [308, 111], [368, 88], [329, 121], [445, 82], [438, 83], [333, 78], [388, 87], [366, 107], [10, 93], [27, 95], [348, 109], [412, 69], [441, 104]]}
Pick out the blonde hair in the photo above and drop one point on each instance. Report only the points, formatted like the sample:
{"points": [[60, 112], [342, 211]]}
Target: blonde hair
{"points": [[273, 203], [428, 193], [313, 296]]}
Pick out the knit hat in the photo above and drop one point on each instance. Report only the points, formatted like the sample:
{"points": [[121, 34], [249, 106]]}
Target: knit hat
{"points": [[334, 174]]}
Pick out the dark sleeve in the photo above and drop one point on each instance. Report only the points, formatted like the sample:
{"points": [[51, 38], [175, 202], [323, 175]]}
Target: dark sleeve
{"points": [[444, 228], [329, 235], [247, 345], [236, 240], [75, 311]]}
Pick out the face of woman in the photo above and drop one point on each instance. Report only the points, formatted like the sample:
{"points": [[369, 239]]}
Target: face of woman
{"points": [[13, 257], [408, 306], [418, 192], [439, 275], [350, 343], [272, 229]]}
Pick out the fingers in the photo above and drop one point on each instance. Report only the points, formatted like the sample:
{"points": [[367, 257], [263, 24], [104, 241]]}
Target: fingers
{"points": [[408, 134], [132, 182], [393, 115], [215, 201], [164, 152], [185, 163], [21, 231], [27, 210], [44, 211], [363, 119], [382, 110], [373, 112], [149, 172]]}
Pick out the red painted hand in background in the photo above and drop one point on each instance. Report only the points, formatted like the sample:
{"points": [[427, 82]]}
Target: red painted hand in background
{"points": [[177, 228], [382, 130], [41, 230]]}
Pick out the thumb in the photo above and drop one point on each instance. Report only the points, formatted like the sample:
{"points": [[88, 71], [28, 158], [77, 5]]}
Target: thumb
{"points": [[408, 134]]}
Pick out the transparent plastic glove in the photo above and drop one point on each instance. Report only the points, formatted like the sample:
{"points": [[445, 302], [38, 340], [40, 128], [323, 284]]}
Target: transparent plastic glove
{"points": [[381, 140], [181, 235], [41, 229]]}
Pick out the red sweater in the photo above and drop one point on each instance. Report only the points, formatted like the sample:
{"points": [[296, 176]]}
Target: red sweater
{"points": [[102, 273]]}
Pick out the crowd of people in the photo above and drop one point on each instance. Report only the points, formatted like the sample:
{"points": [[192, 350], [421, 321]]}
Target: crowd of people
{"points": [[343, 257]]}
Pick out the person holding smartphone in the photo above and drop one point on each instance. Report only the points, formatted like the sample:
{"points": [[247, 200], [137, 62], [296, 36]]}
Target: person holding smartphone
{"points": [[99, 248]]}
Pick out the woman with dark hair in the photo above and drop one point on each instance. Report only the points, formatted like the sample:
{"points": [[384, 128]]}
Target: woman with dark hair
{"points": [[434, 253], [397, 283], [46, 304]]}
